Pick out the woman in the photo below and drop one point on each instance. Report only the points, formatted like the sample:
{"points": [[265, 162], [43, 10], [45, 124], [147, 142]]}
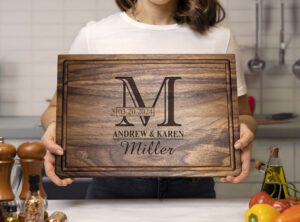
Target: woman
{"points": [[150, 27]]}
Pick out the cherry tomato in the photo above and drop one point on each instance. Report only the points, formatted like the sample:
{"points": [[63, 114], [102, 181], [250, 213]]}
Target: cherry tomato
{"points": [[293, 201], [259, 198], [279, 205]]}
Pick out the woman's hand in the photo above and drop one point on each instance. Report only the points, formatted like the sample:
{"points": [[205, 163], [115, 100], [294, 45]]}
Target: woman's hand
{"points": [[245, 145], [48, 140]]}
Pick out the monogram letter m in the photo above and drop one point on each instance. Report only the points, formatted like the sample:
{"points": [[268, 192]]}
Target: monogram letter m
{"points": [[168, 85]]}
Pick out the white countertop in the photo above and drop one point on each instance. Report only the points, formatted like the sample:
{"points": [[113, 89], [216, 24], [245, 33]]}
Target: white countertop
{"points": [[144, 210]]}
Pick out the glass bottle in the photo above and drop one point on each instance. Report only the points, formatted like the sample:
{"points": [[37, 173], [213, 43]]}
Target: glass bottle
{"points": [[31, 156], [6, 207], [275, 173], [11, 214], [34, 203]]}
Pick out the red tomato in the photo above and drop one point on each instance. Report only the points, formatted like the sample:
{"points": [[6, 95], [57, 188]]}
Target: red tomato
{"points": [[293, 201], [279, 205], [259, 198]]}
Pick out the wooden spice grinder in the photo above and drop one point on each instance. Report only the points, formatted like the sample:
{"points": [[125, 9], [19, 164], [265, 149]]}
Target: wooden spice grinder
{"points": [[7, 154], [31, 158]]}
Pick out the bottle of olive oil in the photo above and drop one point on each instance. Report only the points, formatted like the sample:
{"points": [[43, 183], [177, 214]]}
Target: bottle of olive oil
{"points": [[275, 173]]}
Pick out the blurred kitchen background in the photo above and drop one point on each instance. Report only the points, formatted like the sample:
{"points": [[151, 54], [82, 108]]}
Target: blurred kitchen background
{"points": [[34, 32]]}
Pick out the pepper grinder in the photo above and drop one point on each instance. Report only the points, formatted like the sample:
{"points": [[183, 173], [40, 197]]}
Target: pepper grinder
{"points": [[31, 158], [7, 154]]}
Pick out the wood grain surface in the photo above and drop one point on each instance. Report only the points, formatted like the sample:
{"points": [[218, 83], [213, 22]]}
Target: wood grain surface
{"points": [[147, 116]]}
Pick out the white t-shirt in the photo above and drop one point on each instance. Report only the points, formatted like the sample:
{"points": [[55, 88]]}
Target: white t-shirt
{"points": [[120, 34]]}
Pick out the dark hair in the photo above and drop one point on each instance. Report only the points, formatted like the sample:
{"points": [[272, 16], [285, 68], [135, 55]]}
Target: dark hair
{"points": [[200, 15]]}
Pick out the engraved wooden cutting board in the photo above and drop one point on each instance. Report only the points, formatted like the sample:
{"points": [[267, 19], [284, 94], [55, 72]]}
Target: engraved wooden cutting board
{"points": [[147, 116]]}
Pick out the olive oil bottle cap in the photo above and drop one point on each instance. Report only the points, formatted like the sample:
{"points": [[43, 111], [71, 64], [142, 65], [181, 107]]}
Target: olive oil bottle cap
{"points": [[274, 151]]}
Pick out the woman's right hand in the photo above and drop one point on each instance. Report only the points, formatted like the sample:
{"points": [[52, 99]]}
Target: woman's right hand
{"points": [[48, 140]]}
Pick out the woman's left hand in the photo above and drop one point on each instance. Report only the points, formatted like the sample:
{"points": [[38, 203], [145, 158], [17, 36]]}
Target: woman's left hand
{"points": [[245, 145]]}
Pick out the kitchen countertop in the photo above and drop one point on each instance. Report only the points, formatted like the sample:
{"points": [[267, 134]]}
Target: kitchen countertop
{"points": [[29, 128], [135, 210], [22, 127], [288, 130]]}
